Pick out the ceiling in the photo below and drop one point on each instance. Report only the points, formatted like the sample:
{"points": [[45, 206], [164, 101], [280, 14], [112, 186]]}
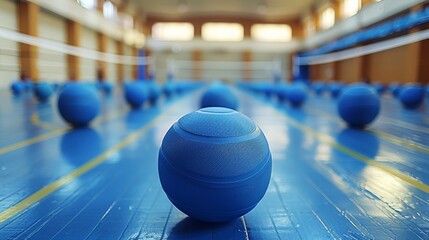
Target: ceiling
{"points": [[267, 9]]}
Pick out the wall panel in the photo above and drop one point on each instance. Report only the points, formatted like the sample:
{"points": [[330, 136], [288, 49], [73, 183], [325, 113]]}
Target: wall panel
{"points": [[9, 50], [52, 64]]}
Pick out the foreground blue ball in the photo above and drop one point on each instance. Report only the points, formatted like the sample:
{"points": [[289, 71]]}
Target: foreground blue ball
{"points": [[412, 96], [358, 105], [214, 164], [78, 104], [43, 91], [136, 94], [219, 95], [17, 88], [297, 95]]}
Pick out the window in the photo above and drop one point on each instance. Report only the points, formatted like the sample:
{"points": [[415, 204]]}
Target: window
{"points": [[109, 10], [271, 32], [350, 7], [327, 18], [309, 26], [232, 32], [88, 4], [170, 31]]}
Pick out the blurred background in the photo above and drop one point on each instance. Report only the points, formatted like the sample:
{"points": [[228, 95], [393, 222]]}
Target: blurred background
{"points": [[251, 40]]}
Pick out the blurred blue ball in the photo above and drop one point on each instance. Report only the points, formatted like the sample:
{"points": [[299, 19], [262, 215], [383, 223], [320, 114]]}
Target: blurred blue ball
{"points": [[395, 89], [169, 89], [214, 164], [358, 105], [17, 88], [319, 88], [412, 96], [282, 92], [297, 95], [154, 92], [43, 91], [78, 104], [379, 88], [106, 87], [136, 94], [219, 95], [335, 89]]}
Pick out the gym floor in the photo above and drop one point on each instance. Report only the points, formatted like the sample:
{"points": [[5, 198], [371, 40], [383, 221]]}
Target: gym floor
{"points": [[101, 182]]}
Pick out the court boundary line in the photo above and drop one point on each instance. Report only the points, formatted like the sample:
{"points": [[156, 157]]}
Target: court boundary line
{"points": [[54, 133], [370, 162], [90, 165], [386, 136]]}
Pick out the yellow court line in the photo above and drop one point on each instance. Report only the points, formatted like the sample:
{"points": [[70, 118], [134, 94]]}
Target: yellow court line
{"points": [[36, 121], [54, 186], [45, 191], [386, 136], [33, 140], [56, 132], [326, 139]]}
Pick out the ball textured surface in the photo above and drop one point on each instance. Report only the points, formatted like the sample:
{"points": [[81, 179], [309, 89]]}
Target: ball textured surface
{"points": [[214, 164], [358, 105], [136, 94], [219, 95], [412, 96], [43, 91], [297, 95], [78, 104]]}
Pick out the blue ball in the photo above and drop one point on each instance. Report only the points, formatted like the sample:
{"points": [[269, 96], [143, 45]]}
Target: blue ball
{"points": [[379, 88], [395, 89], [297, 95], [412, 96], [282, 92], [106, 87], [215, 164], [78, 104], [268, 89], [43, 91], [136, 94], [17, 88], [154, 92], [319, 88], [336, 89], [219, 95], [358, 105], [169, 89]]}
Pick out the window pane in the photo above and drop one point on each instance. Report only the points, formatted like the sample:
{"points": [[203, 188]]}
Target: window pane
{"points": [[232, 32], [173, 31], [271, 32], [350, 7], [327, 18], [88, 4], [109, 10]]}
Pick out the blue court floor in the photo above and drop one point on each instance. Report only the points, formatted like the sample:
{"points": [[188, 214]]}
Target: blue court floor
{"points": [[101, 182]]}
